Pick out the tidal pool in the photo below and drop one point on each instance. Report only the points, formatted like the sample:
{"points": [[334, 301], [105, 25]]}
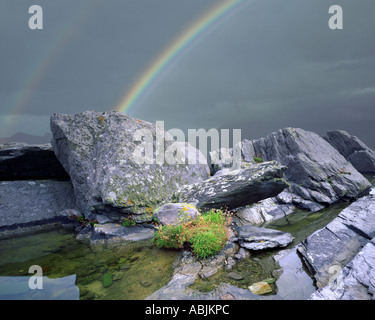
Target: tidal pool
{"points": [[129, 271]]}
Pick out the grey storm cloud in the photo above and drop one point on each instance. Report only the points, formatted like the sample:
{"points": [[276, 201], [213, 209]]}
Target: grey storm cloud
{"points": [[270, 65]]}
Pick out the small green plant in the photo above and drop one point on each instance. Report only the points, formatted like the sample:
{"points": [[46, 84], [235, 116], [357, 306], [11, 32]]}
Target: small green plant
{"points": [[205, 236], [258, 158], [83, 221], [128, 222]]}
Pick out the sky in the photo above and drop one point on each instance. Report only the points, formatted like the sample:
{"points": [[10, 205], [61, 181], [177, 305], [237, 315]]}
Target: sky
{"points": [[262, 66]]}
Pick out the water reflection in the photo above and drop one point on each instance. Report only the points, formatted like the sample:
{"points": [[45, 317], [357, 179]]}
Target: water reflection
{"points": [[17, 288]]}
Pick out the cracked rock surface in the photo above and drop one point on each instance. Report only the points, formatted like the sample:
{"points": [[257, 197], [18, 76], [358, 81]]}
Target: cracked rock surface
{"points": [[340, 241]]}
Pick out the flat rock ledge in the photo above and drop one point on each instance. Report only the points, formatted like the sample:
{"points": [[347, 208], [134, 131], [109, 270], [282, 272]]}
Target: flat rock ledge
{"points": [[340, 241]]}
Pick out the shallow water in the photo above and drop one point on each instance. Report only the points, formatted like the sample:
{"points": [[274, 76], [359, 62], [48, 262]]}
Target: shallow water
{"points": [[135, 269]]}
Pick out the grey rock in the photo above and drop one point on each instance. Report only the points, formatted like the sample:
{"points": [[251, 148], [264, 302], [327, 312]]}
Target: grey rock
{"points": [[99, 152], [242, 254], [32, 203], [236, 188], [176, 213], [353, 149], [258, 238], [316, 171], [356, 281], [22, 161], [338, 242], [264, 211]]}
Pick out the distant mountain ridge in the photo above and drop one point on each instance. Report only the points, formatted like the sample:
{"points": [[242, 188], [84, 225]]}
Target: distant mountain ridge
{"points": [[27, 138]]}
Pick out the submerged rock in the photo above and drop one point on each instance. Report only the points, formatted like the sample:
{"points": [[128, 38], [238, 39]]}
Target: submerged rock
{"points": [[258, 238], [353, 149], [337, 243], [236, 188], [114, 232], [103, 153], [22, 161], [260, 288]]}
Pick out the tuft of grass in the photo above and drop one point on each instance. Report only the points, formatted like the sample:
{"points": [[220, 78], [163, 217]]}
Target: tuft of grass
{"points": [[128, 222], [205, 236]]}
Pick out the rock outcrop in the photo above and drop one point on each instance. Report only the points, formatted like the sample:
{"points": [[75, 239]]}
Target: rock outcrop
{"points": [[340, 241], [316, 171], [103, 153], [21, 161], [236, 188], [353, 149]]}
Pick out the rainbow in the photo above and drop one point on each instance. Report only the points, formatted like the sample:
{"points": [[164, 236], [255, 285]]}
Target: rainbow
{"points": [[169, 54], [19, 101]]}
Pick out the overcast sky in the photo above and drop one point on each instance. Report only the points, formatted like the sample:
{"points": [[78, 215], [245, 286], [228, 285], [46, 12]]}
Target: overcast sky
{"points": [[270, 65]]}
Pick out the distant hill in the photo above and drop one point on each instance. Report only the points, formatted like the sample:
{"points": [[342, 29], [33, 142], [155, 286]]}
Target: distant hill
{"points": [[27, 138]]}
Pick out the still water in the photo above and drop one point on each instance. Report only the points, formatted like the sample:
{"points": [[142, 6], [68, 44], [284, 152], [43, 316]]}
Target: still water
{"points": [[114, 271]]}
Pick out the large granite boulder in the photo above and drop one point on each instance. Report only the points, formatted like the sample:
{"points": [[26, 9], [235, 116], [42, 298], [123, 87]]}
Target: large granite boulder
{"points": [[353, 149], [337, 243], [103, 153], [21, 161], [236, 188], [316, 171]]}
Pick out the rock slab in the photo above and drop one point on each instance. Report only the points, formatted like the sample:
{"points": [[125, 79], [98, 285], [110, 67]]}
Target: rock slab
{"points": [[356, 281], [236, 188], [340, 241], [353, 149]]}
